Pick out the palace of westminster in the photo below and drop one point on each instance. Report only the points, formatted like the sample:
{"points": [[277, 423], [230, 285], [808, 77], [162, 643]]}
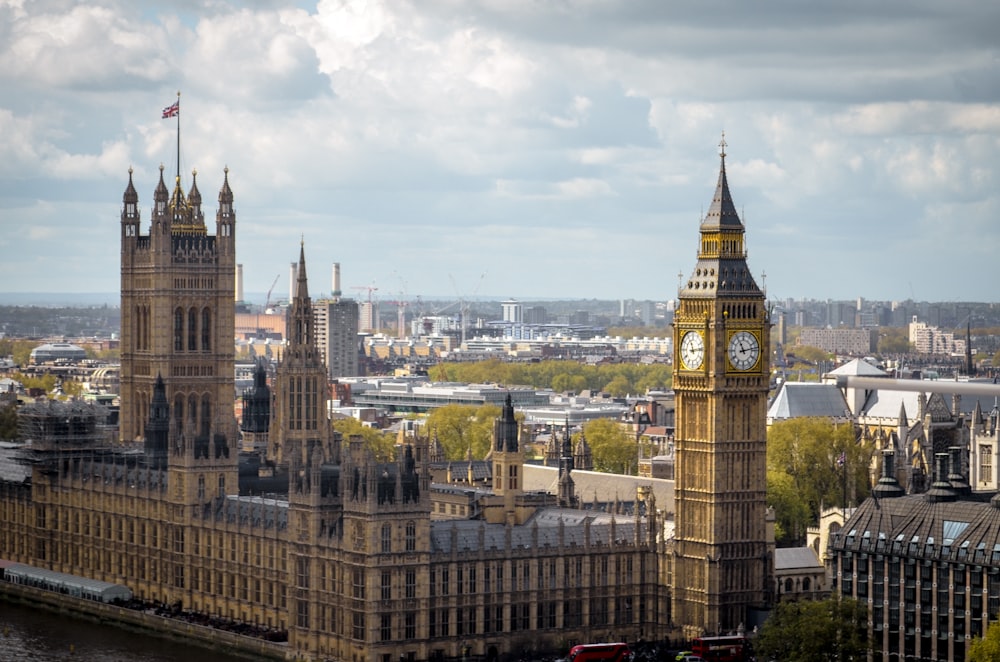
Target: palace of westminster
{"points": [[340, 549]]}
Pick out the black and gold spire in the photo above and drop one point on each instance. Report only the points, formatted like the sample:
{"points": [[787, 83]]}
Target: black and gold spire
{"points": [[721, 269]]}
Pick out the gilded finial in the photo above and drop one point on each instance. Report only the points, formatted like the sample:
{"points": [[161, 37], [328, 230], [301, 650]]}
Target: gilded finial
{"points": [[161, 167], [130, 171], [722, 145], [225, 170], [194, 172]]}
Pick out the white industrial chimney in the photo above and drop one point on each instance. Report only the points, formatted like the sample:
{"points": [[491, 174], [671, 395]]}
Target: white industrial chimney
{"points": [[336, 280], [239, 283]]}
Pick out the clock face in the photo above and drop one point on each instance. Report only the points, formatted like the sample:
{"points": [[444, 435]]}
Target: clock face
{"points": [[744, 350], [692, 350]]}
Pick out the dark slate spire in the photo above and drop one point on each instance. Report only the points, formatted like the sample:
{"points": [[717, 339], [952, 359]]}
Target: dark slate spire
{"points": [[130, 193], [721, 270], [130, 209], [301, 284], [225, 196], [160, 197], [158, 426], [722, 212], [566, 459], [505, 429], [257, 401], [194, 195], [300, 314]]}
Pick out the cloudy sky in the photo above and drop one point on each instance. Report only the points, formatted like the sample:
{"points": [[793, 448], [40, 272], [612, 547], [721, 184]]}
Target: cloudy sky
{"points": [[525, 148]]}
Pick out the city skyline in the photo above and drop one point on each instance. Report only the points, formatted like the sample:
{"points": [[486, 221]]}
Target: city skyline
{"points": [[513, 150]]}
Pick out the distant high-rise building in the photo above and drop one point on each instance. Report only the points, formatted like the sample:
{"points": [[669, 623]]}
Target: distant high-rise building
{"points": [[647, 312], [337, 335], [536, 315], [511, 311], [367, 317]]}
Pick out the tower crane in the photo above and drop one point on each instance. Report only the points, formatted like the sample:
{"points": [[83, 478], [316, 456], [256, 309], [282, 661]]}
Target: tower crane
{"points": [[464, 303], [267, 306], [267, 302]]}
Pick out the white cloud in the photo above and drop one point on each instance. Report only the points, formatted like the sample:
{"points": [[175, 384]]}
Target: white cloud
{"points": [[434, 137]]}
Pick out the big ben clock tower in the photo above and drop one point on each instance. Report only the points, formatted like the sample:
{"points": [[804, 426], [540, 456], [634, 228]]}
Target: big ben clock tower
{"points": [[721, 374]]}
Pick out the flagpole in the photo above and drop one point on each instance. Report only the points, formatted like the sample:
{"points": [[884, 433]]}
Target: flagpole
{"points": [[178, 137]]}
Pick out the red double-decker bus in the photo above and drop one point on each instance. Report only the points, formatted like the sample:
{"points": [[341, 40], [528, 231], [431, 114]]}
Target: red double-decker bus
{"points": [[723, 649]]}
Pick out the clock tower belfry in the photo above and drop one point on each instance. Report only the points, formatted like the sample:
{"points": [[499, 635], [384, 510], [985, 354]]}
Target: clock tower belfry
{"points": [[721, 376]]}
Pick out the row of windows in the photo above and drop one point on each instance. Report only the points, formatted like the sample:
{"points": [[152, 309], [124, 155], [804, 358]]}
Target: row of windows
{"points": [[533, 573], [190, 330]]}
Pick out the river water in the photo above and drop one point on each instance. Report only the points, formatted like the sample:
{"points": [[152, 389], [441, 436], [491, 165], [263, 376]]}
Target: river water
{"points": [[40, 636]]}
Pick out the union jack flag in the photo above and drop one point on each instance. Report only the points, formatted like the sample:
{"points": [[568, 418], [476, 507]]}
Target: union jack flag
{"points": [[172, 110]]}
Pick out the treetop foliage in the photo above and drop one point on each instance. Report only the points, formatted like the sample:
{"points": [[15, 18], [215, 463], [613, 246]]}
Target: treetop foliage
{"points": [[617, 379], [831, 630], [461, 428], [805, 472]]}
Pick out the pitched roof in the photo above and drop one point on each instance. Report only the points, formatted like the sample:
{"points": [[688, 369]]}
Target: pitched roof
{"points": [[793, 558], [917, 526], [800, 399], [858, 368], [603, 486]]}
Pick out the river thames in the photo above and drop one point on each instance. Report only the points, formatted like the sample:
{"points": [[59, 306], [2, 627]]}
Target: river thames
{"points": [[37, 635]]}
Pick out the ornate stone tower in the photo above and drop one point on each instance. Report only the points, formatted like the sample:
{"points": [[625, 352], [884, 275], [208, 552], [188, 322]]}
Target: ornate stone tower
{"points": [[177, 287], [508, 459], [300, 423], [721, 372]]}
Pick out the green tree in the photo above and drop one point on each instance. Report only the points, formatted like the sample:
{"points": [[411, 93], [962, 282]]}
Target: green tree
{"points": [[461, 427], [612, 447], [381, 444], [619, 378], [996, 359], [619, 386], [986, 649], [893, 340], [8, 422], [19, 350], [810, 353], [804, 466], [791, 512], [831, 630], [46, 381]]}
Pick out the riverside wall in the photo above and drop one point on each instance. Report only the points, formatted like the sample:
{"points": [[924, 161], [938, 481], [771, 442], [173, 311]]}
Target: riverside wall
{"points": [[111, 614]]}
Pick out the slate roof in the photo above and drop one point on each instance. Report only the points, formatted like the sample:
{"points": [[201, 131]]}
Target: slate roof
{"points": [[798, 399], [14, 467], [915, 526], [885, 403], [540, 531], [606, 487], [795, 558], [858, 368]]}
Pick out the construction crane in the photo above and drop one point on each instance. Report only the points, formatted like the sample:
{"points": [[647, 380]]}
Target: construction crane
{"points": [[463, 302], [267, 302], [400, 317], [267, 305]]}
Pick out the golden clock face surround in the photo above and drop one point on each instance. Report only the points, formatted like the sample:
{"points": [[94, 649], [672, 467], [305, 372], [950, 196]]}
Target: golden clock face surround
{"points": [[743, 350], [692, 350]]}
